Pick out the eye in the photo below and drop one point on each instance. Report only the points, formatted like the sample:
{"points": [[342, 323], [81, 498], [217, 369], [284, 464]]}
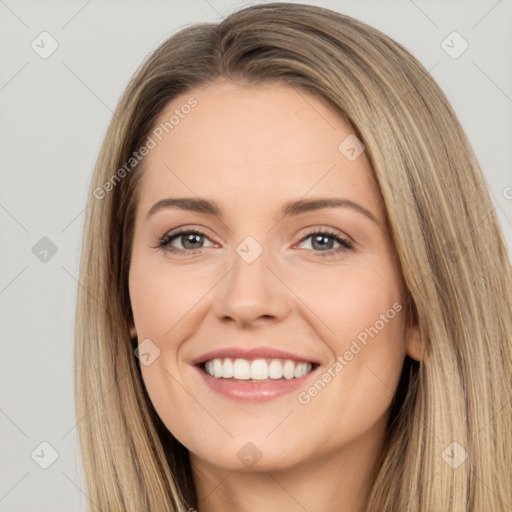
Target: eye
{"points": [[190, 240], [322, 242]]}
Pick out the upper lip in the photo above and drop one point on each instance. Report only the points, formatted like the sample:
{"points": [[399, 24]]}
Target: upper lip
{"points": [[251, 353]]}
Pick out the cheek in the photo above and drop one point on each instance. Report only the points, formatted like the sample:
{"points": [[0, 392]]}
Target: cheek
{"points": [[353, 303], [162, 298], [166, 309], [372, 343], [358, 387], [365, 317]]}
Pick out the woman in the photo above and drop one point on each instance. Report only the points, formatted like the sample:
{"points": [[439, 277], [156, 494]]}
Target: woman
{"points": [[295, 292]]}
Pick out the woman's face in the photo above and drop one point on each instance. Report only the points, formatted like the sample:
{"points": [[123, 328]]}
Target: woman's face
{"points": [[270, 278]]}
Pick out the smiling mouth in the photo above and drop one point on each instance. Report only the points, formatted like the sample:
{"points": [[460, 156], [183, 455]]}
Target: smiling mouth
{"points": [[256, 370]]}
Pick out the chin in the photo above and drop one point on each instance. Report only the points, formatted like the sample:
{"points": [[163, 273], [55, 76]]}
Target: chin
{"points": [[248, 457]]}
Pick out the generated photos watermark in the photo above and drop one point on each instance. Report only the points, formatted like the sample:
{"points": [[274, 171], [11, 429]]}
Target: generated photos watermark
{"points": [[356, 346], [151, 142]]}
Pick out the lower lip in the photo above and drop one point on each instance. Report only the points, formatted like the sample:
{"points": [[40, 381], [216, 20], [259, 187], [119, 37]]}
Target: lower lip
{"points": [[255, 391]]}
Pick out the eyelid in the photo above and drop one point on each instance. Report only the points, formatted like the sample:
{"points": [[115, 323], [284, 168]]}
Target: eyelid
{"points": [[318, 228], [186, 228], [346, 243], [183, 230]]}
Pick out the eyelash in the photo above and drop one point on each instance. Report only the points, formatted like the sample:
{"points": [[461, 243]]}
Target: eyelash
{"points": [[164, 243]]}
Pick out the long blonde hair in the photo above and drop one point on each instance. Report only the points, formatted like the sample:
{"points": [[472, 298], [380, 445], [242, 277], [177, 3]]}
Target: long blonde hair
{"points": [[452, 256]]}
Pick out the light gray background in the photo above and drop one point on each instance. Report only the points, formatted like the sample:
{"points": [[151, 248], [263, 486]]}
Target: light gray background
{"points": [[54, 114]]}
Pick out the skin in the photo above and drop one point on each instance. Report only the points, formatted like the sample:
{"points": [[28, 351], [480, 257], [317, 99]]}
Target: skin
{"points": [[251, 149]]}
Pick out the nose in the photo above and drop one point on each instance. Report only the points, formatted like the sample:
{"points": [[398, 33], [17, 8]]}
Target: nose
{"points": [[253, 293]]}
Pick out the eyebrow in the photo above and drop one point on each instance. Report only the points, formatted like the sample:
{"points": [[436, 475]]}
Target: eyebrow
{"points": [[207, 207]]}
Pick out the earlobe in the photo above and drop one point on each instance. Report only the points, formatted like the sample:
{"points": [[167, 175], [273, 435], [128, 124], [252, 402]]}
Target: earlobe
{"points": [[133, 331], [415, 346]]}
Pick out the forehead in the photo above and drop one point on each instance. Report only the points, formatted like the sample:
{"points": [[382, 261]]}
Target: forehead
{"points": [[256, 142]]}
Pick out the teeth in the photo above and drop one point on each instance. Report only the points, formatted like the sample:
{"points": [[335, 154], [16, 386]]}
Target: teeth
{"points": [[227, 369], [289, 369], [258, 369], [217, 368], [275, 369], [241, 369]]}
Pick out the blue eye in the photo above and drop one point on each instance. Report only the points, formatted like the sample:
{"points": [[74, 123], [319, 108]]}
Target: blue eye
{"points": [[325, 239], [192, 241], [188, 238]]}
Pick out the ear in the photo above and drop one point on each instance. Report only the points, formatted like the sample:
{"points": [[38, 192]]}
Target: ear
{"points": [[133, 331], [414, 344]]}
